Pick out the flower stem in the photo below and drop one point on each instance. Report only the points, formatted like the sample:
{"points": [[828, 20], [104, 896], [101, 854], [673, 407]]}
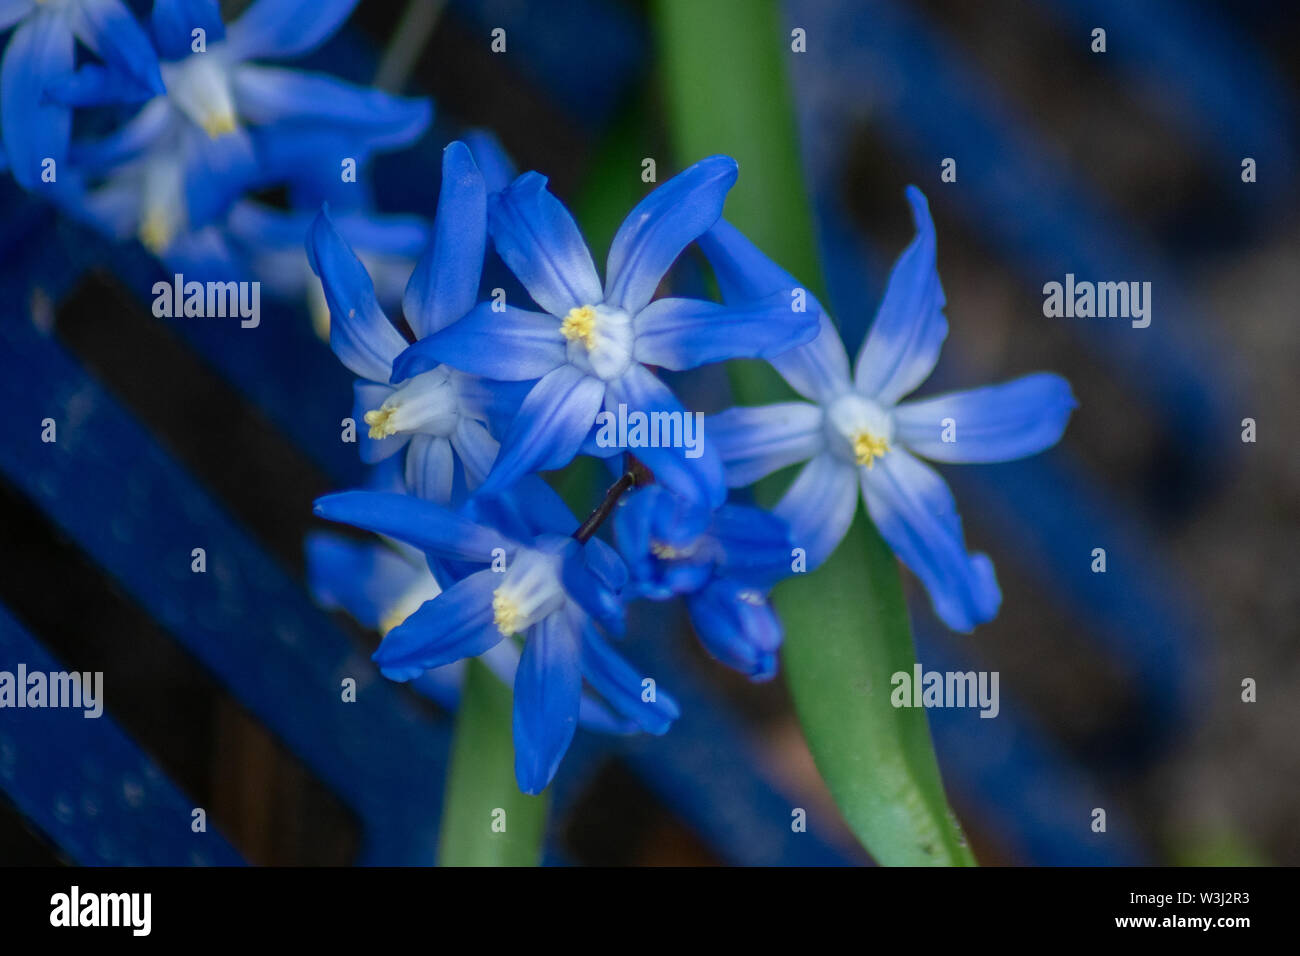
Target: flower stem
{"points": [[486, 821]]}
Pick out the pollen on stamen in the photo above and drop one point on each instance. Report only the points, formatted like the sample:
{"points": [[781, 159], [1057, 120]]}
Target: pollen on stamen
{"points": [[217, 125], [580, 325], [381, 422], [867, 448], [155, 231], [505, 613]]}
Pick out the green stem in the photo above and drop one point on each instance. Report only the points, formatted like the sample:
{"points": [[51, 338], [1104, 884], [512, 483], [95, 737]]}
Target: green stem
{"points": [[486, 821], [847, 631]]}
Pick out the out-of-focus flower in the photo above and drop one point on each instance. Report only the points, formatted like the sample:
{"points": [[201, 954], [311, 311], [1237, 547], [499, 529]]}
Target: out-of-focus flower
{"points": [[854, 433], [38, 59], [723, 562], [550, 592], [592, 345], [225, 124]]}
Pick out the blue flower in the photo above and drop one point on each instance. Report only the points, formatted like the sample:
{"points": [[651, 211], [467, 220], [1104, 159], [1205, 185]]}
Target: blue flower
{"points": [[441, 414], [550, 593], [592, 344], [854, 433], [38, 60], [225, 124], [722, 561]]}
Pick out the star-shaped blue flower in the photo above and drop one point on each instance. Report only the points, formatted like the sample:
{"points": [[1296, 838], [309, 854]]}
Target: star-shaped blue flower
{"points": [[592, 345], [855, 434]]}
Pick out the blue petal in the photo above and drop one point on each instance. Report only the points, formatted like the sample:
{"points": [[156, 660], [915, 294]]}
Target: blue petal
{"points": [[280, 29], [738, 627], [755, 441], [130, 140], [754, 545], [548, 691], [994, 423], [429, 468], [493, 161], [371, 118], [444, 285], [916, 514], [428, 526], [819, 506], [512, 346], [663, 224], [550, 427], [457, 623], [37, 56], [367, 396], [818, 370], [531, 508], [173, 23], [360, 334], [362, 578], [903, 343], [615, 680], [476, 448], [590, 591], [108, 28], [679, 334], [11, 11], [538, 239], [700, 480]]}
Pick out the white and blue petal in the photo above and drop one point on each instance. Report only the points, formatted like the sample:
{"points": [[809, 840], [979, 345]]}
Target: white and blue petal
{"points": [[360, 334], [281, 29], [903, 344], [548, 691], [11, 11], [660, 226], [818, 370], [681, 334], [538, 239], [430, 468], [819, 506], [915, 513], [549, 428], [995, 423], [458, 623], [512, 346], [445, 282], [755, 441]]}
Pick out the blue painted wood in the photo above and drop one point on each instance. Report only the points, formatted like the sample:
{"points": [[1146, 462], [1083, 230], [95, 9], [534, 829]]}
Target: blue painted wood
{"points": [[85, 784]]}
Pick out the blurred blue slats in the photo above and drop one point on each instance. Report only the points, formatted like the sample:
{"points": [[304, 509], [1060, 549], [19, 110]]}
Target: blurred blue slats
{"points": [[1222, 95], [138, 514], [920, 93], [85, 785], [1015, 782]]}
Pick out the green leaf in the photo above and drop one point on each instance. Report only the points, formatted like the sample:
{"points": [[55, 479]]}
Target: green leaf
{"points": [[481, 787], [847, 631]]}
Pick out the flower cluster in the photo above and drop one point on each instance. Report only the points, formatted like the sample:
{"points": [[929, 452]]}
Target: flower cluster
{"points": [[464, 402], [207, 123]]}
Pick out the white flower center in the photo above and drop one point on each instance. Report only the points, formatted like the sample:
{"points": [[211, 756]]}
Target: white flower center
{"points": [[427, 404], [859, 430], [531, 590], [600, 340], [199, 86]]}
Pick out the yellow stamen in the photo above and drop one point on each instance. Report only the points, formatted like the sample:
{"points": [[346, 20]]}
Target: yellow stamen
{"points": [[867, 448], [381, 422], [219, 124], [580, 325], [155, 231], [751, 597], [505, 613]]}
